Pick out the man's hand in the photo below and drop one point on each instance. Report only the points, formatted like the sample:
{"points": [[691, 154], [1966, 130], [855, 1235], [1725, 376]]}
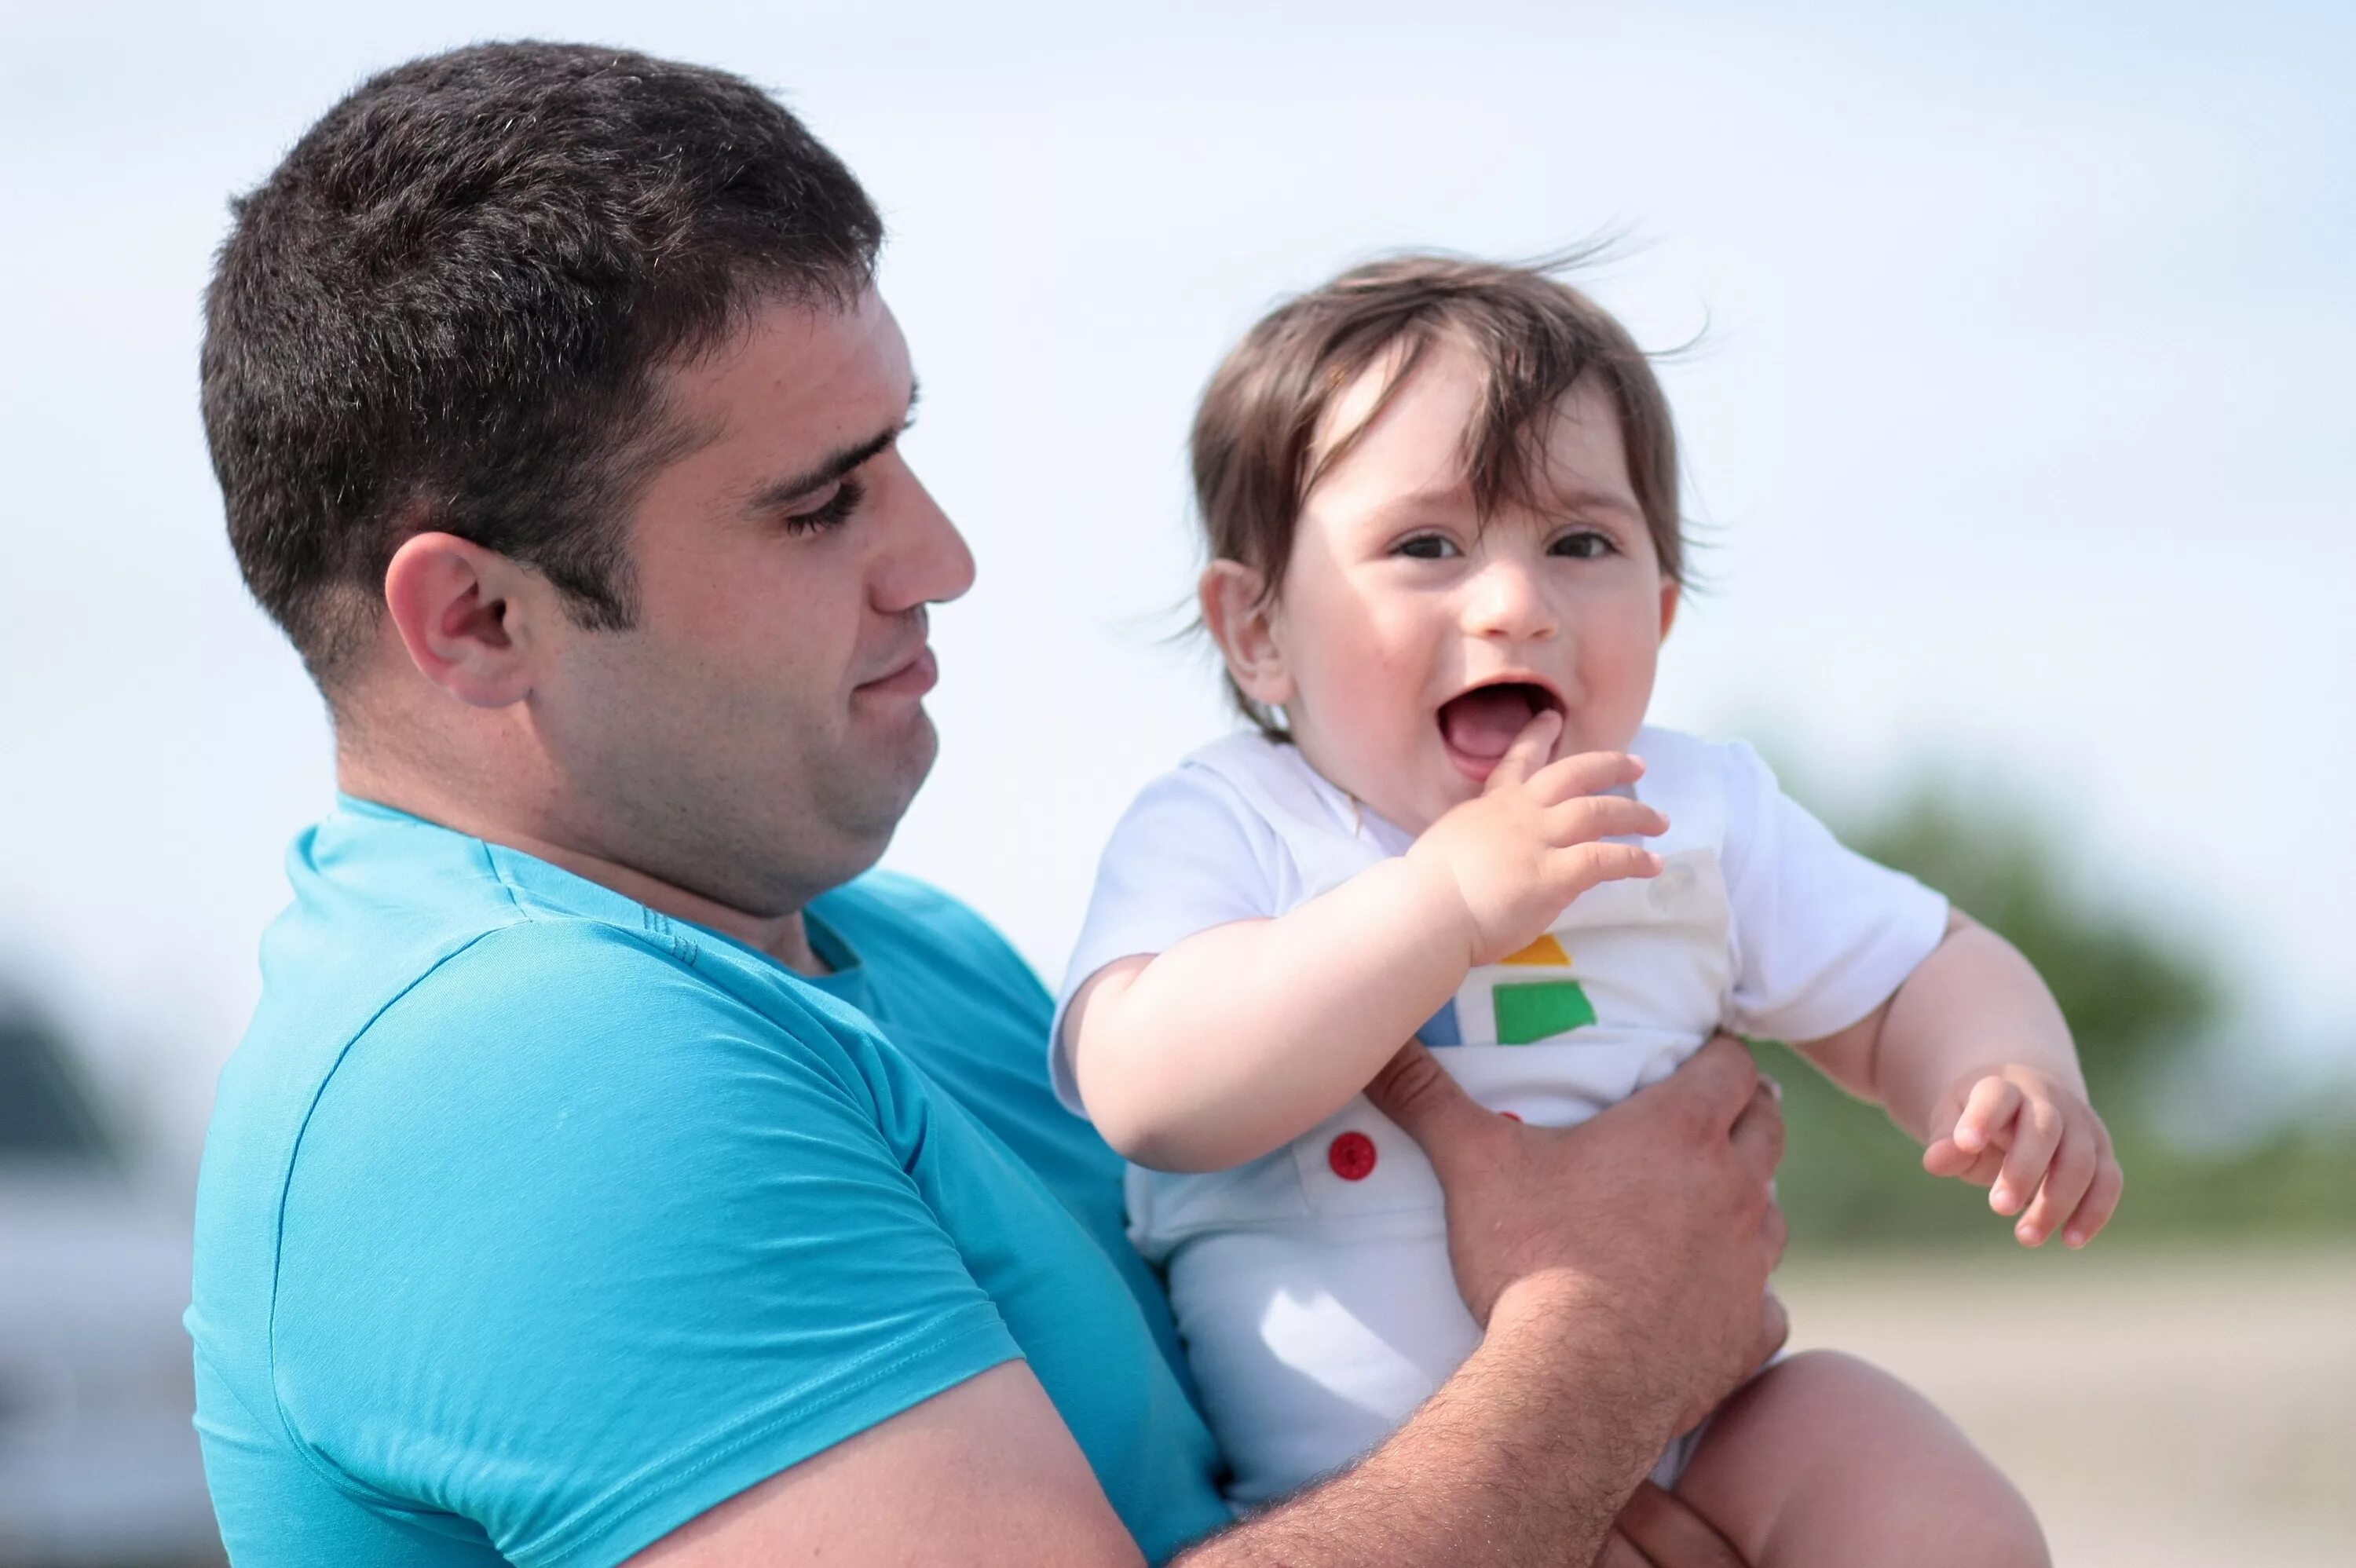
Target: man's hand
{"points": [[2021, 1131], [1660, 1530], [1648, 1231], [1516, 854]]}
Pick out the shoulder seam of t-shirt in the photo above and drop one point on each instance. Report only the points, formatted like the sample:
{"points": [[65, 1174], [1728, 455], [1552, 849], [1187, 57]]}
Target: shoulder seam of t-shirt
{"points": [[715, 1448], [651, 920], [326, 1468], [220, 1375]]}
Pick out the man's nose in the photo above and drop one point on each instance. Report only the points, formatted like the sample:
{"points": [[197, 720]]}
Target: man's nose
{"points": [[1506, 601], [929, 562]]}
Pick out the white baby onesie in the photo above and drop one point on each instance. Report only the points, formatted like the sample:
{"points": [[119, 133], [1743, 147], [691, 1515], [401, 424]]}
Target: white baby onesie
{"points": [[1312, 1286]]}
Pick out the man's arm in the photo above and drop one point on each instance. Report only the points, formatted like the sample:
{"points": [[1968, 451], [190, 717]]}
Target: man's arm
{"points": [[1620, 1268], [985, 1472]]}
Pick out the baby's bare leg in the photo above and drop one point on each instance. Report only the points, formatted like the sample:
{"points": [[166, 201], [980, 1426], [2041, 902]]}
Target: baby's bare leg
{"points": [[1827, 1462]]}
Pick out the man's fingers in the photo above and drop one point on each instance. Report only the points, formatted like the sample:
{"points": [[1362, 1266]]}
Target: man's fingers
{"points": [[1758, 1132], [1774, 1326], [2035, 1132], [1528, 753], [1619, 1551], [1429, 1106], [1665, 1528], [1716, 1082]]}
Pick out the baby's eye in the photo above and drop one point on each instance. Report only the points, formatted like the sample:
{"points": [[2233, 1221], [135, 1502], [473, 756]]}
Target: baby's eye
{"points": [[1585, 545], [1427, 546]]}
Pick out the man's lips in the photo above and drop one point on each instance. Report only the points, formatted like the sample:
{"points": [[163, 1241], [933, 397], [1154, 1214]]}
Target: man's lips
{"points": [[912, 677]]}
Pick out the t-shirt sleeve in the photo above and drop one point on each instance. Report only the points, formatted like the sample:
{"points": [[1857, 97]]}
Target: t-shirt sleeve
{"points": [[1822, 935], [579, 1248], [1189, 854]]}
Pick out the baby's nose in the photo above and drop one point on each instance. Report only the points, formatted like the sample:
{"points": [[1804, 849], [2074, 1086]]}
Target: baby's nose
{"points": [[1507, 601]]}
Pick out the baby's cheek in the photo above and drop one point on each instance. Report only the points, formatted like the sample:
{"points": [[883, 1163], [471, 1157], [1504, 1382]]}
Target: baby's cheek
{"points": [[1616, 674]]}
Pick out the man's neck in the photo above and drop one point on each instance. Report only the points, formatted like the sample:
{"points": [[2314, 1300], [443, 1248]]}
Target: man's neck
{"points": [[783, 937]]}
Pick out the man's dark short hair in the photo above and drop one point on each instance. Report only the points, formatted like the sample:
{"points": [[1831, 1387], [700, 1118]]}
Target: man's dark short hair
{"points": [[446, 307]]}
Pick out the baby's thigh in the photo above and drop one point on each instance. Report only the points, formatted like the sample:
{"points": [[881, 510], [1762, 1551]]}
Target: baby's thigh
{"points": [[1825, 1460]]}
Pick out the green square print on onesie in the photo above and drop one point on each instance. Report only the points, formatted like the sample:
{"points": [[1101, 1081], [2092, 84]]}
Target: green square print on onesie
{"points": [[1539, 1009]]}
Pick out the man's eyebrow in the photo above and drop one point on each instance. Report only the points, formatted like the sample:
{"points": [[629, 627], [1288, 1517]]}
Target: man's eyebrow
{"points": [[831, 468]]}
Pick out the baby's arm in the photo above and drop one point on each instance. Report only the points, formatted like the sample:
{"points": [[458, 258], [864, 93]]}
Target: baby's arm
{"points": [[1971, 1056], [1241, 1038]]}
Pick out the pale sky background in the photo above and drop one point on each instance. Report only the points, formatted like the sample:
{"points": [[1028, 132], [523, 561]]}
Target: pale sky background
{"points": [[2019, 430]]}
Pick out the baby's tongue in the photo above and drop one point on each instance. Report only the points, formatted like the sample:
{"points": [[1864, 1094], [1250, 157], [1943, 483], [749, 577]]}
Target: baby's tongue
{"points": [[1483, 723]]}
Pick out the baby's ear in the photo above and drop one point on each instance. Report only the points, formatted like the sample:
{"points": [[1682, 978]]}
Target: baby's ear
{"points": [[1240, 616]]}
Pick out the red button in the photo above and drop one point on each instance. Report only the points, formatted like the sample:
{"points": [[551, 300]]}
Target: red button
{"points": [[1352, 1155]]}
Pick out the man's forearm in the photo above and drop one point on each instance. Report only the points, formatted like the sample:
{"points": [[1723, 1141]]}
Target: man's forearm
{"points": [[1524, 1456]]}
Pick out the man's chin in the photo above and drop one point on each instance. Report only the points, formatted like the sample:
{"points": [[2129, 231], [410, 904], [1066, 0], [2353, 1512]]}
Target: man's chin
{"points": [[896, 771]]}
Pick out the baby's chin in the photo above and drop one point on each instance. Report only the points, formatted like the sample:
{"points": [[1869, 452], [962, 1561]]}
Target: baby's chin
{"points": [[1414, 798]]}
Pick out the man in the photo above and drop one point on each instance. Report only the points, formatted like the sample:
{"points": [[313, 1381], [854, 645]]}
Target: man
{"points": [[611, 1171]]}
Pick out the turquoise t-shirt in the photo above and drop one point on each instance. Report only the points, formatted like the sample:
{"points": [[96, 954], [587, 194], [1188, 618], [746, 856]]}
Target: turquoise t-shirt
{"points": [[533, 1223]]}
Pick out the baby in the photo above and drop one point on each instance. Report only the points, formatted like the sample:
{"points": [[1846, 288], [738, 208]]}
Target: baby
{"points": [[1441, 503]]}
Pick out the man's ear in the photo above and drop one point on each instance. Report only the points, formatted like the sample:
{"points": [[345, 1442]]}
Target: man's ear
{"points": [[461, 610], [1671, 596], [1240, 617]]}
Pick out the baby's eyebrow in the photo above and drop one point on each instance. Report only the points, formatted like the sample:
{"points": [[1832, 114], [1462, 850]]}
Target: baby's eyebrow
{"points": [[1580, 498]]}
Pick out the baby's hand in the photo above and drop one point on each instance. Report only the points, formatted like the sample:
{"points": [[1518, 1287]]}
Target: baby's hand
{"points": [[1517, 853], [2027, 1132]]}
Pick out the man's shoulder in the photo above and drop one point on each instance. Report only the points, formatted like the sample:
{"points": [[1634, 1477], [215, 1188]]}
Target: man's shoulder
{"points": [[569, 976], [517, 977], [380, 991]]}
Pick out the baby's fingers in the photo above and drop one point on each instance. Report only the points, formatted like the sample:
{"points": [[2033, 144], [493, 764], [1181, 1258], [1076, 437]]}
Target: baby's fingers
{"points": [[1602, 817], [2066, 1184], [1528, 753], [1583, 866], [1943, 1158], [1585, 773], [1992, 1103], [2035, 1133], [2102, 1202]]}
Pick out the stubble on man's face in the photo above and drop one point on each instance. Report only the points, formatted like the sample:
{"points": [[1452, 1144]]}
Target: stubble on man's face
{"points": [[756, 736]]}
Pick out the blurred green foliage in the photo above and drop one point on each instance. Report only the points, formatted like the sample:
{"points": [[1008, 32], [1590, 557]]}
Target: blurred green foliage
{"points": [[2137, 1002]]}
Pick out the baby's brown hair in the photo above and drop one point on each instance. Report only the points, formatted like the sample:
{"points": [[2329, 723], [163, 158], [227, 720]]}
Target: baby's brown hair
{"points": [[1255, 444]]}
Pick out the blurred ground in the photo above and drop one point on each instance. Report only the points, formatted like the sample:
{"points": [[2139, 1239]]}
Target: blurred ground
{"points": [[2158, 1408]]}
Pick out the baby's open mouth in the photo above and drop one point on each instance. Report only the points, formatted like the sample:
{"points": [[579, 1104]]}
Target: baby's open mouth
{"points": [[1480, 724]]}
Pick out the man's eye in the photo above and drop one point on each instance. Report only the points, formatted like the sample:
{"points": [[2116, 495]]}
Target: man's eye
{"points": [[837, 509], [1427, 546], [1584, 545]]}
